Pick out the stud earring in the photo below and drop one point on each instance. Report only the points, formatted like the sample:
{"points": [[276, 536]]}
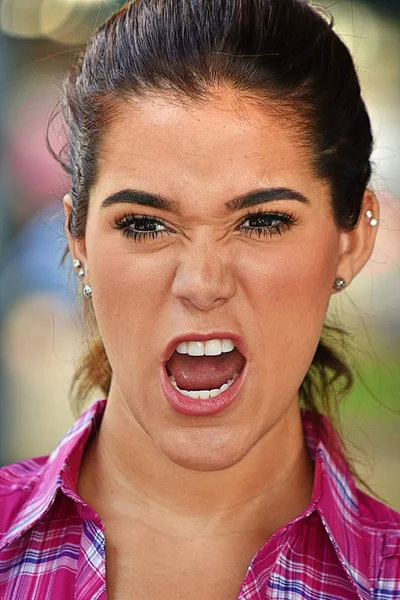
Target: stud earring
{"points": [[77, 263], [87, 291], [372, 221], [339, 284]]}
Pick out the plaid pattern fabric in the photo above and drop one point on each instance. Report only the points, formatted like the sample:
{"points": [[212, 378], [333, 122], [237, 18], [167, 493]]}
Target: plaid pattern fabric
{"points": [[346, 545]]}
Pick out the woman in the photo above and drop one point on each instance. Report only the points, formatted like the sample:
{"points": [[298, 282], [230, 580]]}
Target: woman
{"points": [[219, 158]]}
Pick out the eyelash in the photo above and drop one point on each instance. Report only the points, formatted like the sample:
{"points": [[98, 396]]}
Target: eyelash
{"points": [[286, 221]]}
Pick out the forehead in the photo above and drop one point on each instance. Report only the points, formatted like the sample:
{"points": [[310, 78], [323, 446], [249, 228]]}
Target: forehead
{"points": [[221, 147]]}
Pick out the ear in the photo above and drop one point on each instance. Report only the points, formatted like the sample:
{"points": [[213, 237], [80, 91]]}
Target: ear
{"points": [[77, 247], [357, 245]]}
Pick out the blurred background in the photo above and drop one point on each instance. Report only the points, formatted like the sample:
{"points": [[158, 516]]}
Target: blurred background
{"points": [[39, 317]]}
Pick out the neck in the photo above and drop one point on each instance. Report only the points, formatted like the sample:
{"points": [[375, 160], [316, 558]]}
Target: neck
{"points": [[269, 487]]}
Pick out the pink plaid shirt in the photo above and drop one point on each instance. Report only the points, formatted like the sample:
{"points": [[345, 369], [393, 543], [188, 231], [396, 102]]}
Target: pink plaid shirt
{"points": [[345, 545]]}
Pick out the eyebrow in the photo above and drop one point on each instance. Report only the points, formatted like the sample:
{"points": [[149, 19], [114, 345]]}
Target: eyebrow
{"points": [[130, 196]]}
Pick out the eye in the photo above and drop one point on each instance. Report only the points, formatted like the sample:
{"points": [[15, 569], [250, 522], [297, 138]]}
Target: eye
{"points": [[140, 227], [260, 223], [267, 224]]}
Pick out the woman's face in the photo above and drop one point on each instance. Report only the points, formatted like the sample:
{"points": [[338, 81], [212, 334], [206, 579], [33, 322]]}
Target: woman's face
{"points": [[266, 278]]}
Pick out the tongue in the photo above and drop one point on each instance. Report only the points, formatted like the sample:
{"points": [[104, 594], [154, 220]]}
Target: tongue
{"points": [[204, 372]]}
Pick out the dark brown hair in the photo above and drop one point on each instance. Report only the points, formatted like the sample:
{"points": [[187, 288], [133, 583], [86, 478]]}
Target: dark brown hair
{"points": [[283, 53]]}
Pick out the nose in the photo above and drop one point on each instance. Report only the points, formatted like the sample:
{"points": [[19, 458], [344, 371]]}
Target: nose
{"points": [[204, 277]]}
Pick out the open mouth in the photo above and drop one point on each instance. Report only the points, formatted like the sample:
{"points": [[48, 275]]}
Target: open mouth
{"points": [[204, 377]]}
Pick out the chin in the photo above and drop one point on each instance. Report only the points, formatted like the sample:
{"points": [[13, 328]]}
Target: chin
{"points": [[202, 449]]}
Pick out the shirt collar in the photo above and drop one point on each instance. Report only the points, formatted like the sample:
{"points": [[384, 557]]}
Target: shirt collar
{"points": [[60, 471], [337, 502], [334, 491]]}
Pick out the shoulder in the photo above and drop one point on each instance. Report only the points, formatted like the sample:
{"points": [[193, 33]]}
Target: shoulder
{"points": [[381, 525], [29, 488], [19, 483], [376, 516], [20, 476]]}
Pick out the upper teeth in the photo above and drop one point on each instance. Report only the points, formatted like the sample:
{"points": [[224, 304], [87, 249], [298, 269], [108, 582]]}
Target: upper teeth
{"points": [[208, 348]]}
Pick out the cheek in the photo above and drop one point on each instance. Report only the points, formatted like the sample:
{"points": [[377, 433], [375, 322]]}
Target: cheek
{"points": [[296, 275], [289, 291], [122, 272], [129, 291]]}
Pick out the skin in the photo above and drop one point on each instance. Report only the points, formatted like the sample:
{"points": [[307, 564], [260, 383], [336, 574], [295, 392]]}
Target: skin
{"points": [[238, 476]]}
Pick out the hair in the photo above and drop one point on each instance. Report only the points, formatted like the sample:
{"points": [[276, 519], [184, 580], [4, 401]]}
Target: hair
{"points": [[283, 54]]}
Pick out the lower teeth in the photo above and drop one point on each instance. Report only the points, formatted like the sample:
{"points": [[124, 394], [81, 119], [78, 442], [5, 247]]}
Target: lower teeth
{"points": [[204, 394]]}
